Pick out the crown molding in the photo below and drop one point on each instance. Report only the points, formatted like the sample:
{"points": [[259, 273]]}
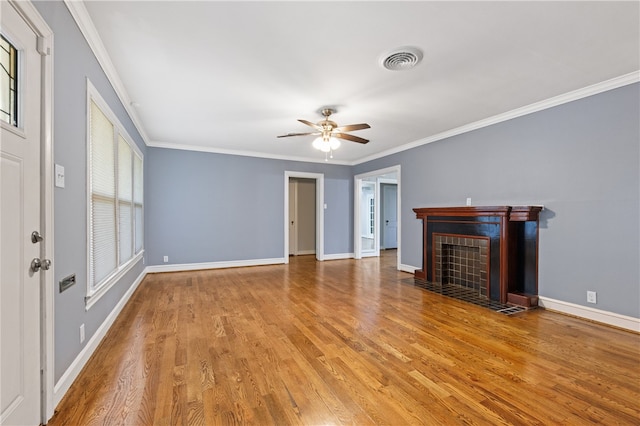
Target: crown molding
{"points": [[594, 89], [87, 28], [213, 150], [81, 16]]}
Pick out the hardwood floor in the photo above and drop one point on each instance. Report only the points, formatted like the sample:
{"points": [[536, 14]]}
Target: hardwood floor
{"points": [[345, 342]]}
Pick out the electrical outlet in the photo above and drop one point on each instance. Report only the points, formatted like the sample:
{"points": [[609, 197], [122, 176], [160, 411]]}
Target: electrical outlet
{"points": [[468, 201], [166, 259], [82, 333], [591, 297]]}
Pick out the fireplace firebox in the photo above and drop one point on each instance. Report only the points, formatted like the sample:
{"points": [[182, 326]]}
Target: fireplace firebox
{"points": [[491, 250]]}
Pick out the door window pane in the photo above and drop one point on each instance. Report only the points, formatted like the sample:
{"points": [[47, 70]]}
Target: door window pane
{"points": [[8, 82]]}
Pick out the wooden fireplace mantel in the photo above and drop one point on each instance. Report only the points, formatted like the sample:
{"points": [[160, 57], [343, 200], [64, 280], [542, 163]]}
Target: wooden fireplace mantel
{"points": [[513, 213], [513, 235]]}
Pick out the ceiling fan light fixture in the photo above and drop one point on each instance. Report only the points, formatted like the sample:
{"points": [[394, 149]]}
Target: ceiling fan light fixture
{"points": [[329, 133], [403, 58], [319, 144], [334, 143], [326, 143]]}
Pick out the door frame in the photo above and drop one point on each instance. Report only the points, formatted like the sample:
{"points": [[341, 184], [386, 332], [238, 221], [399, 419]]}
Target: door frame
{"points": [[44, 47], [319, 178], [357, 246]]}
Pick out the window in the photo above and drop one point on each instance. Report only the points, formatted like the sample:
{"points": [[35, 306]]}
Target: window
{"points": [[115, 199], [372, 216], [8, 82], [368, 212]]}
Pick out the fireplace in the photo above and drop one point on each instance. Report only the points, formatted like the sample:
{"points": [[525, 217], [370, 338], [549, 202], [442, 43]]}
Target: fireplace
{"points": [[491, 250], [462, 260]]}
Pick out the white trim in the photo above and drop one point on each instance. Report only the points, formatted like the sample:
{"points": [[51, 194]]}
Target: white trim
{"points": [[213, 265], [32, 17], [592, 314], [293, 199], [65, 382], [338, 256], [305, 252], [584, 92], [82, 18], [407, 268], [319, 177], [357, 247], [80, 14], [257, 154], [93, 298]]}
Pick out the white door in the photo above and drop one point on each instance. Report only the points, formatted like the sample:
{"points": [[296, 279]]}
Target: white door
{"points": [[19, 216], [368, 216], [390, 215]]}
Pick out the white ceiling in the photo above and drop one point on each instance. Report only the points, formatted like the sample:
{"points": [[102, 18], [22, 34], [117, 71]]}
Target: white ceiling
{"points": [[231, 76]]}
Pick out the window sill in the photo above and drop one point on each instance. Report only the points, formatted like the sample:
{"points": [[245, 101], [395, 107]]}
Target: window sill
{"points": [[92, 298]]}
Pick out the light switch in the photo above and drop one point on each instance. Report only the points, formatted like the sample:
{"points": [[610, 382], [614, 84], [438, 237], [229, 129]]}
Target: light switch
{"points": [[59, 171]]}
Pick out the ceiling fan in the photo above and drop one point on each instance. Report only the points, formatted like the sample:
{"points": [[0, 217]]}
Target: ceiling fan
{"points": [[329, 132]]}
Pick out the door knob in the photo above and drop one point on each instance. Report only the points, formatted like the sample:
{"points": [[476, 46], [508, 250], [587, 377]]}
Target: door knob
{"points": [[36, 237], [37, 264]]}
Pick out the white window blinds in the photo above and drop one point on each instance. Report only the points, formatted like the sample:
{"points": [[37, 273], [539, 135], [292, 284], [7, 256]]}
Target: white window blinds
{"points": [[137, 202], [125, 200], [103, 196], [116, 199]]}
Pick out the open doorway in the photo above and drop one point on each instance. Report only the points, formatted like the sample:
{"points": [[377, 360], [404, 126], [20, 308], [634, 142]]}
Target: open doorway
{"points": [[388, 214], [297, 184], [377, 212], [302, 216]]}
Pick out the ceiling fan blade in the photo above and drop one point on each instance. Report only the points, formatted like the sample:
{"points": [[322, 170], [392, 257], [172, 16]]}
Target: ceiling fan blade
{"points": [[349, 137], [352, 127], [308, 123], [298, 134]]}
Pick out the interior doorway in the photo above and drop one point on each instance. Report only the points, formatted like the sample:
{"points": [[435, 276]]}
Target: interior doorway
{"points": [[377, 212], [302, 216], [388, 215], [291, 184]]}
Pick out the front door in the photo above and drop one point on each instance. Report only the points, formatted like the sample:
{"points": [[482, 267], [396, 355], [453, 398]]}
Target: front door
{"points": [[19, 217]]}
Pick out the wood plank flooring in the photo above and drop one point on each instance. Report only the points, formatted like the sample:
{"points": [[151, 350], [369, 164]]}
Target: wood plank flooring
{"points": [[345, 342]]}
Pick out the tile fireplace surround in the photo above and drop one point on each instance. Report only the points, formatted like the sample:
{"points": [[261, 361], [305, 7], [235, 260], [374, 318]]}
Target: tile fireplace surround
{"points": [[493, 250]]}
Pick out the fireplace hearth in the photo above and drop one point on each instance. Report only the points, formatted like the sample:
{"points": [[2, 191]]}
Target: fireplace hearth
{"points": [[490, 250]]}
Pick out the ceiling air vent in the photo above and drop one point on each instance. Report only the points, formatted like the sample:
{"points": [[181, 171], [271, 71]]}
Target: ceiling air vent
{"points": [[403, 58]]}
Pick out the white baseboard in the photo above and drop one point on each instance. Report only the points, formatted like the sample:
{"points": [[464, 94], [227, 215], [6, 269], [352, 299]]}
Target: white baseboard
{"points": [[338, 256], [597, 315], [213, 265], [306, 252], [407, 268], [65, 382]]}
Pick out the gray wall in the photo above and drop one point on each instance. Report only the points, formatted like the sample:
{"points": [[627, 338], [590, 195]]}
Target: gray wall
{"points": [[580, 160], [206, 207], [73, 63]]}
